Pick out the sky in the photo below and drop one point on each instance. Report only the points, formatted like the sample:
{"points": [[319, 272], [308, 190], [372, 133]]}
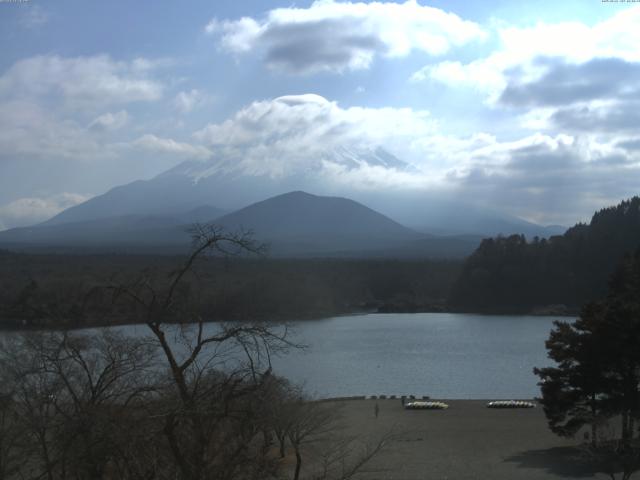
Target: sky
{"points": [[528, 108]]}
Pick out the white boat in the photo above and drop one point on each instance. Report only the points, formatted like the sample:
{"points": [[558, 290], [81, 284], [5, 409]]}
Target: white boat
{"points": [[510, 404], [421, 405]]}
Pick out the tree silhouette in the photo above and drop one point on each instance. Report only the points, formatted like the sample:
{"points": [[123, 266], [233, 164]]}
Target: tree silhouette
{"points": [[597, 377]]}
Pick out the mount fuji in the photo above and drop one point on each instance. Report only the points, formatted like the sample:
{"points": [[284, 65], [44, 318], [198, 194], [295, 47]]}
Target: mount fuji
{"points": [[228, 183], [232, 190]]}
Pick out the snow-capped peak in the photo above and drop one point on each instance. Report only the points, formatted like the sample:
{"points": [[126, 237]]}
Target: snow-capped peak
{"points": [[289, 165]]}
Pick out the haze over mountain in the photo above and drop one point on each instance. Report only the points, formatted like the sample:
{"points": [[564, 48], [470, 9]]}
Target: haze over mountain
{"points": [[227, 181], [137, 231], [230, 182], [294, 224]]}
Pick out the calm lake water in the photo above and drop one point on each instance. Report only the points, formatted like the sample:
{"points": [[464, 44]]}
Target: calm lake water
{"points": [[441, 355]]}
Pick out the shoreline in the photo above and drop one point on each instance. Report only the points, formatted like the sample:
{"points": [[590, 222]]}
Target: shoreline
{"points": [[13, 325]]}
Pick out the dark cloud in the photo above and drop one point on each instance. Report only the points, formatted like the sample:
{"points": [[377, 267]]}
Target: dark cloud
{"points": [[601, 95], [618, 117], [334, 36], [322, 45], [632, 145], [540, 165], [554, 180], [566, 84]]}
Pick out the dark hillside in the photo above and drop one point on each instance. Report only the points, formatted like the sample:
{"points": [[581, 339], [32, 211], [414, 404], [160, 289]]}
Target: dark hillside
{"points": [[511, 274]]}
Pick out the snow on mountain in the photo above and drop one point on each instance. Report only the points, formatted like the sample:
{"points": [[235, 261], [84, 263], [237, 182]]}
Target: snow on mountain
{"points": [[348, 158]]}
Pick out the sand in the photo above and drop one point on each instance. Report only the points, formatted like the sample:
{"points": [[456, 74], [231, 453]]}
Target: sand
{"points": [[467, 441]]}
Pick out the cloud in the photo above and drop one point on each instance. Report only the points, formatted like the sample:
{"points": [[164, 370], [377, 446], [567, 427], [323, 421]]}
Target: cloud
{"points": [[109, 121], [49, 105], [308, 138], [600, 95], [614, 118], [284, 135], [339, 36], [565, 83], [82, 82], [30, 130], [187, 101], [30, 210], [534, 175], [517, 57], [560, 77], [153, 143], [632, 144]]}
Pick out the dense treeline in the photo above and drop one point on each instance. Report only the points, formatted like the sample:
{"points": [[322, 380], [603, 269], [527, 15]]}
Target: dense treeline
{"points": [[68, 290], [511, 274]]}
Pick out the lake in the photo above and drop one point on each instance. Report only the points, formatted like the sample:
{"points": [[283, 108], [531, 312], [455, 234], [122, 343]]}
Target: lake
{"points": [[443, 355]]}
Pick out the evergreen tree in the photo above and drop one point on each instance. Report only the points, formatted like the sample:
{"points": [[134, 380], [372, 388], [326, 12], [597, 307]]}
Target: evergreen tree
{"points": [[511, 274], [573, 392], [597, 375]]}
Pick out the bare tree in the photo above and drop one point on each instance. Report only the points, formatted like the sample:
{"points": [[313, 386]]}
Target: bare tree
{"points": [[215, 371], [70, 391], [309, 422], [11, 436]]}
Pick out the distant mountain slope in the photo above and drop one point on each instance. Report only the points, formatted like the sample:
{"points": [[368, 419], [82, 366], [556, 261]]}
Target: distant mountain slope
{"points": [[110, 232], [459, 218], [296, 224], [299, 222], [161, 196], [231, 182], [510, 273], [227, 182]]}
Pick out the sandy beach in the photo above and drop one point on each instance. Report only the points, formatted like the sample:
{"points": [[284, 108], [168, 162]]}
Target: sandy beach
{"points": [[466, 441]]}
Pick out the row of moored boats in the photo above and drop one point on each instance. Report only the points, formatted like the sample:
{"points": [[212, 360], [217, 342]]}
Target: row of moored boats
{"points": [[422, 405]]}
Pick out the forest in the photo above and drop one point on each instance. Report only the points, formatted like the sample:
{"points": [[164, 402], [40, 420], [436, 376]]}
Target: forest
{"points": [[72, 291], [513, 275]]}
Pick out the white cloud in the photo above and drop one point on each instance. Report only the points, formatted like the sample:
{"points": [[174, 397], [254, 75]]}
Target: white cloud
{"points": [[338, 36], [29, 130], [280, 136], [306, 138], [477, 75], [532, 176], [153, 143], [109, 121], [81, 82], [52, 106], [30, 210], [520, 48], [187, 101]]}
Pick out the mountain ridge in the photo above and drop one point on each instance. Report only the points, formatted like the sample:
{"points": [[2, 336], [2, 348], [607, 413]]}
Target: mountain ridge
{"points": [[295, 224], [230, 184]]}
